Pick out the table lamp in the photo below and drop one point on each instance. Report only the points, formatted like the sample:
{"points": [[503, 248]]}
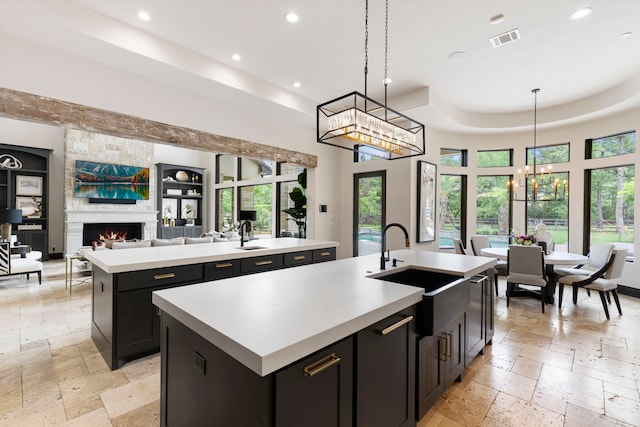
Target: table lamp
{"points": [[7, 218]]}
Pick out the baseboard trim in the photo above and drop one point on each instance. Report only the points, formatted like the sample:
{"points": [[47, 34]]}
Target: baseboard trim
{"points": [[628, 290]]}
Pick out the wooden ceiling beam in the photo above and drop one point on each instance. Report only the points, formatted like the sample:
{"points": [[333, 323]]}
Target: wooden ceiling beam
{"points": [[40, 109]]}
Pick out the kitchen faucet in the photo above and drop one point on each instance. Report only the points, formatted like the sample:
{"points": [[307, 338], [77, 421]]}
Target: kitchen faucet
{"points": [[242, 227], [247, 217], [383, 259]]}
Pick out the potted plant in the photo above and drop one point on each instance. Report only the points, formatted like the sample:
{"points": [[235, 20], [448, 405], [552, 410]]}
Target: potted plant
{"points": [[298, 212]]}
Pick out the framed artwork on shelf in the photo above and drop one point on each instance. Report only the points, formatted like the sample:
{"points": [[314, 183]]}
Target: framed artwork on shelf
{"points": [[189, 209], [426, 202], [31, 206], [170, 208], [28, 185]]}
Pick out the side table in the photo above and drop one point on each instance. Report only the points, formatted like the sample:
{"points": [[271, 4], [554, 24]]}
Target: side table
{"points": [[68, 269]]}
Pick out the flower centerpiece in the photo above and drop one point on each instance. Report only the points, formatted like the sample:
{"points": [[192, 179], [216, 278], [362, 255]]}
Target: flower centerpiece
{"points": [[523, 239]]}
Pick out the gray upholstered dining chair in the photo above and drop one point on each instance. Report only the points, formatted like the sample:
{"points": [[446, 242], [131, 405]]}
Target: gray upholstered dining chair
{"points": [[525, 266], [602, 280], [478, 243], [599, 254], [457, 245]]}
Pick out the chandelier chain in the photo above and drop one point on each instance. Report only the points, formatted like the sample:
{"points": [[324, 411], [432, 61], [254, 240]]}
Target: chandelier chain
{"points": [[366, 44], [386, 41]]}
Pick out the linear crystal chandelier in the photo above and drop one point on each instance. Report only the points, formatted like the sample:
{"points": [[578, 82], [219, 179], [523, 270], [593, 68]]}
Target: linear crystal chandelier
{"points": [[354, 119], [538, 187]]}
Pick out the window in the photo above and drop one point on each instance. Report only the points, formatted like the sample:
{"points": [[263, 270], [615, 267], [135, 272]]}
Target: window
{"points": [[610, 193], [289, 169], [255, 169], [286, 225], [553, 211], [224, 209], [495, 158], [369, 208], [453, 196], [250, 184], [493, 214], [258, 198], [226, 168], [453, 157], [365, 153], [548, 154], [608, 146]]}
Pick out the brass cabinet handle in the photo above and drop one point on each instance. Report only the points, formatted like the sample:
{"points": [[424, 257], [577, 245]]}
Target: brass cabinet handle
{"points": [[395, 326], [259, 263], [299, 257], [325, 253], [158, 311], [449, 345], [224, 265], [320, 365], [442, 351], [164, 276]]}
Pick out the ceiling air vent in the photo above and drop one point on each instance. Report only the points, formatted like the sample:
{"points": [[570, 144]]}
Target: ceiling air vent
{"points": [[504, 38]]}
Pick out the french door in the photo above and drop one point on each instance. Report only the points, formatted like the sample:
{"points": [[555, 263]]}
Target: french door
{"points": [[369, 211]]}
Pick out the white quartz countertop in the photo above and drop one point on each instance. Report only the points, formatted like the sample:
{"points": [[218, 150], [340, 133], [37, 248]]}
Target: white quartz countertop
{"points": [[269, 320], [134, 259]]}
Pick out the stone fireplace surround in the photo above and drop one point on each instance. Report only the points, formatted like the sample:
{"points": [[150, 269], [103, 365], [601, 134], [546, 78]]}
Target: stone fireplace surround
{"points": [[75, 220]]}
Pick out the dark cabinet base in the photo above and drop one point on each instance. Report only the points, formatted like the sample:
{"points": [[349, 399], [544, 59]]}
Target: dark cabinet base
{"points": [[202, 385], [126, 324]]}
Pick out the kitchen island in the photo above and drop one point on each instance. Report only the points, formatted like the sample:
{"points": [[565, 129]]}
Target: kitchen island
{"points": [[125, 324], [239, 351]]}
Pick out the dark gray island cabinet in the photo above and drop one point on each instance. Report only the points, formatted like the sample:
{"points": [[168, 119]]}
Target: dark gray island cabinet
{"points": [[125, 323], [338, 344]]}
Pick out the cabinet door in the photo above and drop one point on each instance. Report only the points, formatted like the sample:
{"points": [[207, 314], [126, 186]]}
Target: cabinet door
{"points": [[202, 385], [318, 390], [385, 377], [138, 323], [475, 318], [430, 372], [102, 305], [192, 231], [489, 316], [454, 335]]}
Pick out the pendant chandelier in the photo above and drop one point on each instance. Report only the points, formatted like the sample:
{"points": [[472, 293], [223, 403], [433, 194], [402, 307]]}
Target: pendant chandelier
{"points": [[355, 119], [538, 187]]}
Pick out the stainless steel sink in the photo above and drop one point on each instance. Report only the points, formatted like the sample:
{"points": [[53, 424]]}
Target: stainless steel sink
{"points": [[251, 248], [444, 295]]}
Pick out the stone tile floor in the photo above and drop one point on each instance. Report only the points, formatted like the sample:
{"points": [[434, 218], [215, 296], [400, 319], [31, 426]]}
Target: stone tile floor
{"points": [[572, 368]]}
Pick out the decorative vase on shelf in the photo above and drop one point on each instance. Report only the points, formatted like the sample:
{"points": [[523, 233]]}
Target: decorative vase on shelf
{"points": [[182, 176]]}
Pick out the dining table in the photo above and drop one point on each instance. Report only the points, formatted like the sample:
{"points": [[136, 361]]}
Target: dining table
{"points": [[551, 259]]}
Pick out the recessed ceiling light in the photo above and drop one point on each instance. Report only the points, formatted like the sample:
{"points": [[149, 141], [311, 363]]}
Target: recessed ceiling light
{"points": [[457, 56], [296, 84], [580, 13], [292, 17], [144, 15], [625, 35], [497, 19], [236, 57]]}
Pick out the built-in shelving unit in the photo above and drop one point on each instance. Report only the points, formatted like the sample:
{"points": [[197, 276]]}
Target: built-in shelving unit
{"points": [[180, 207], [24, 184]]}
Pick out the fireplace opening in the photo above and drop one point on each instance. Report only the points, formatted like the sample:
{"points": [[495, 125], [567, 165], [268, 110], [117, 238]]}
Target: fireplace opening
{"points": [[96, 234]]}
